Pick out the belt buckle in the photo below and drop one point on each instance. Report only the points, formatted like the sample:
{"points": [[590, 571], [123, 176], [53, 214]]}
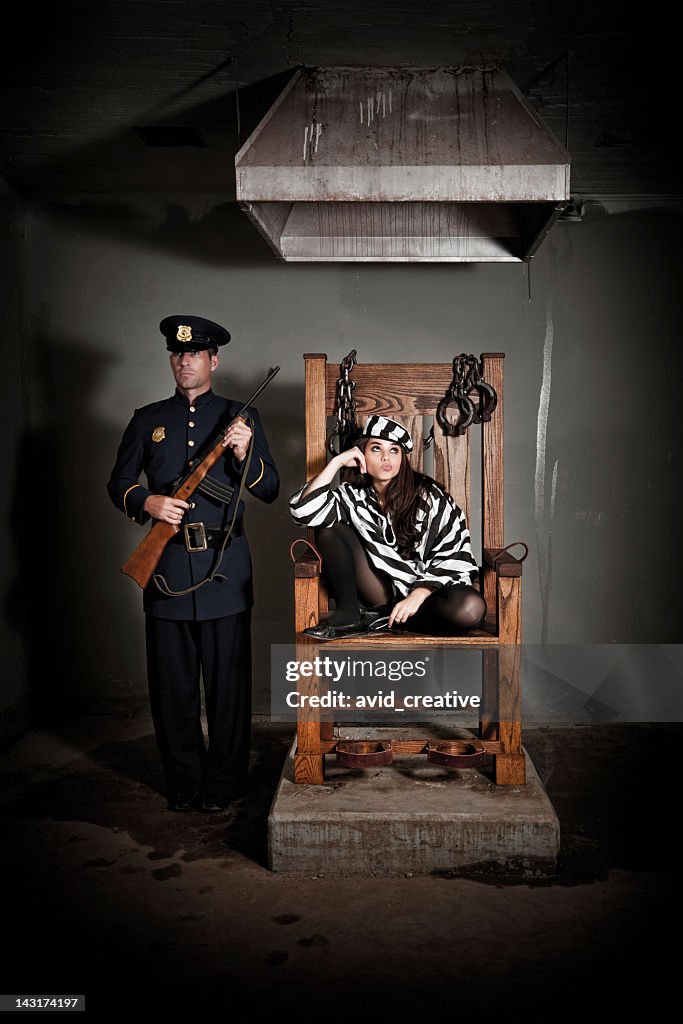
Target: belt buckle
{"points": [[201, 542]]}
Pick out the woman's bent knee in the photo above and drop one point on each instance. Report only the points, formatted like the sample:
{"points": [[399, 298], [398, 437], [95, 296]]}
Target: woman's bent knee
{"points": [[466, 608], [473, 611]]}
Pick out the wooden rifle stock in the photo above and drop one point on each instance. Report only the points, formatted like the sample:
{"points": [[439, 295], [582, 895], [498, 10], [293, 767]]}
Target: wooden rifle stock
{"points": [[144, 560]]}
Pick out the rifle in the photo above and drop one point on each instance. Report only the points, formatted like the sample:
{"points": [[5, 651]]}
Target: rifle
{"points": [[145, 558]]}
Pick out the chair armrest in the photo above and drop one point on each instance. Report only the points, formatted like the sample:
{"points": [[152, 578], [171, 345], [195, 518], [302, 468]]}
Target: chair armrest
{"points": [[306, 566], [309, 563], [503, 562]]}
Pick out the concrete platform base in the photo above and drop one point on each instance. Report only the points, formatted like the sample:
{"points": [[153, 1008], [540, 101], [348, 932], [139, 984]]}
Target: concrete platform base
{"points": [[410, 817]]}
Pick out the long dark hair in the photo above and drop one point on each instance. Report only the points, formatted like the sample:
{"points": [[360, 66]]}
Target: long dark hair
{"points": [[401, 499]]}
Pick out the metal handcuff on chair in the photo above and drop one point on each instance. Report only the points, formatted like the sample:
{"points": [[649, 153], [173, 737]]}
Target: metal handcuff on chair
{"points": [[467, 377]]}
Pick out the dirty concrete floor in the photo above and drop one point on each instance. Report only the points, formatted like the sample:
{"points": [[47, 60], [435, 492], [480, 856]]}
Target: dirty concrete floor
{"points": [[108, 893]]}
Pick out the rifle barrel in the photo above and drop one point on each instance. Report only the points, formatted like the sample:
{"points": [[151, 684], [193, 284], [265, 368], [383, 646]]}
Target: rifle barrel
{"points": [[259, 389]]}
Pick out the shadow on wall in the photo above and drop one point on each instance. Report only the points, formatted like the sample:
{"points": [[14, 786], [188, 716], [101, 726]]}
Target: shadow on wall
{"points": [[614, 424], [80, 620], [55, 600], [208, 230]]}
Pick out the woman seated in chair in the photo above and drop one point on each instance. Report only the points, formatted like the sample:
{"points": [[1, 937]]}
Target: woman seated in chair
{"points": [[395, 547]]}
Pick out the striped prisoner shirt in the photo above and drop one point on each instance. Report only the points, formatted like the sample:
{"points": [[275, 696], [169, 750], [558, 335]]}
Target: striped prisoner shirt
{"points": [[443, 555]]}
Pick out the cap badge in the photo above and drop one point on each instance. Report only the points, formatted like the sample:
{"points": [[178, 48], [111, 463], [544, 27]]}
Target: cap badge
{"points": [[159, 433], [184, 333]]}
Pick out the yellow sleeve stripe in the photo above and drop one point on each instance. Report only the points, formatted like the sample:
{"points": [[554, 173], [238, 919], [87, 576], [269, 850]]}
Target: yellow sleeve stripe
{"points": [[263, 469], [126, 495]]}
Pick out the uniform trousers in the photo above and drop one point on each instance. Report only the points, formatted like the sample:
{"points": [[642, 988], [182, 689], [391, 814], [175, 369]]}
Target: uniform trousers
{"points": [[178, 653]]}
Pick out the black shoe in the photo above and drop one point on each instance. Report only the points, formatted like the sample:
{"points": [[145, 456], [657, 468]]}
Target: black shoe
{"points": [[186, 801], [214, 803], [323, 631], [218, 800]]}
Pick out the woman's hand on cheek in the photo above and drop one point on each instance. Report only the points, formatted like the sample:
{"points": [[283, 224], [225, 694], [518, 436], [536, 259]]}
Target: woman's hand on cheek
{"points": [[352, 457]]}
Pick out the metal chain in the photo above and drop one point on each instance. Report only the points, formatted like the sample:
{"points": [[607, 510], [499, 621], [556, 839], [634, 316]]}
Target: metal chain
{"points": [[345, 428]]}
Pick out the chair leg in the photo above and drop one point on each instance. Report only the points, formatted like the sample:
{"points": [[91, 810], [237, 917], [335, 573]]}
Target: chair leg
{"points": [[510, 763], [309, 763], [488, 713], [309, 769], [510, 770]]}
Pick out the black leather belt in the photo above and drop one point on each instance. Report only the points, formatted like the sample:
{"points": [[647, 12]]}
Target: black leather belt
{"points": [[199, 536]]}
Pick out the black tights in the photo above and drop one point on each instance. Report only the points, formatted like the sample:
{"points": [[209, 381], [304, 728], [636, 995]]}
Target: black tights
{"points": [[352, 580]]}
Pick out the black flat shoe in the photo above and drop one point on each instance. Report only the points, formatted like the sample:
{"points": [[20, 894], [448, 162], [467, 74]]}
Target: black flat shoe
{"points": [[323, 632], [220, 799], [360, 627], [215, 803], [186, 802]]}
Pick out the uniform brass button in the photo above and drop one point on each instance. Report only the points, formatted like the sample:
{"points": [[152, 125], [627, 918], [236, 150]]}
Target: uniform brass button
{"points": [[191, 444], [191, 423], [192, 409]]}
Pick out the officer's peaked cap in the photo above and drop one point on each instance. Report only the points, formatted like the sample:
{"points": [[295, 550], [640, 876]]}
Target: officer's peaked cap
{"points": [[192, 332]]}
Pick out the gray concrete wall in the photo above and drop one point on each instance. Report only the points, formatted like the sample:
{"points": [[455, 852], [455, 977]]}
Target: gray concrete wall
{"points": [[592, 382]]}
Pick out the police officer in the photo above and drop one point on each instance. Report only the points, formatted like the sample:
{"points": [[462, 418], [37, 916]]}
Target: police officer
{"points": [[198, 603]]}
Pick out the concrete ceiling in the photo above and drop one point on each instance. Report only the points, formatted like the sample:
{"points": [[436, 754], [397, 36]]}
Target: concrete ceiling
{"points": [[78, 77]]}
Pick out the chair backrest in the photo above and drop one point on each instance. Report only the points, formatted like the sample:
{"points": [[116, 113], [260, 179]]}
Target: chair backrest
{"points": [[409, 392]]}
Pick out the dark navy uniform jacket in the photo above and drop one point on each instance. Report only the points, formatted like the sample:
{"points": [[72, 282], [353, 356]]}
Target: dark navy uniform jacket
{"points": [[160, 440]]}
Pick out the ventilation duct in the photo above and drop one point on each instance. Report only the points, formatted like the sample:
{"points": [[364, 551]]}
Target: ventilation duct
{"points": [[396, 164]]}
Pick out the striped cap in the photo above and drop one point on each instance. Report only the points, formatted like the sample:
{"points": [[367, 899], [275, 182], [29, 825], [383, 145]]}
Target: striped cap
{"points": [[387, 430]]}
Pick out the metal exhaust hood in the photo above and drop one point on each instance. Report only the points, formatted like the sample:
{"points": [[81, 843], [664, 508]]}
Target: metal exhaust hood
{"points": [[402, 165]]}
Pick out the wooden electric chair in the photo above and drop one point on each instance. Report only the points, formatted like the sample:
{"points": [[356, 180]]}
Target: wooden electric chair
{"points": [[408, 392]]}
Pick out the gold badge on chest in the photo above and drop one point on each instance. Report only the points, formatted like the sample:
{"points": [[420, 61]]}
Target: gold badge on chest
{"points": [[159, 433]]}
